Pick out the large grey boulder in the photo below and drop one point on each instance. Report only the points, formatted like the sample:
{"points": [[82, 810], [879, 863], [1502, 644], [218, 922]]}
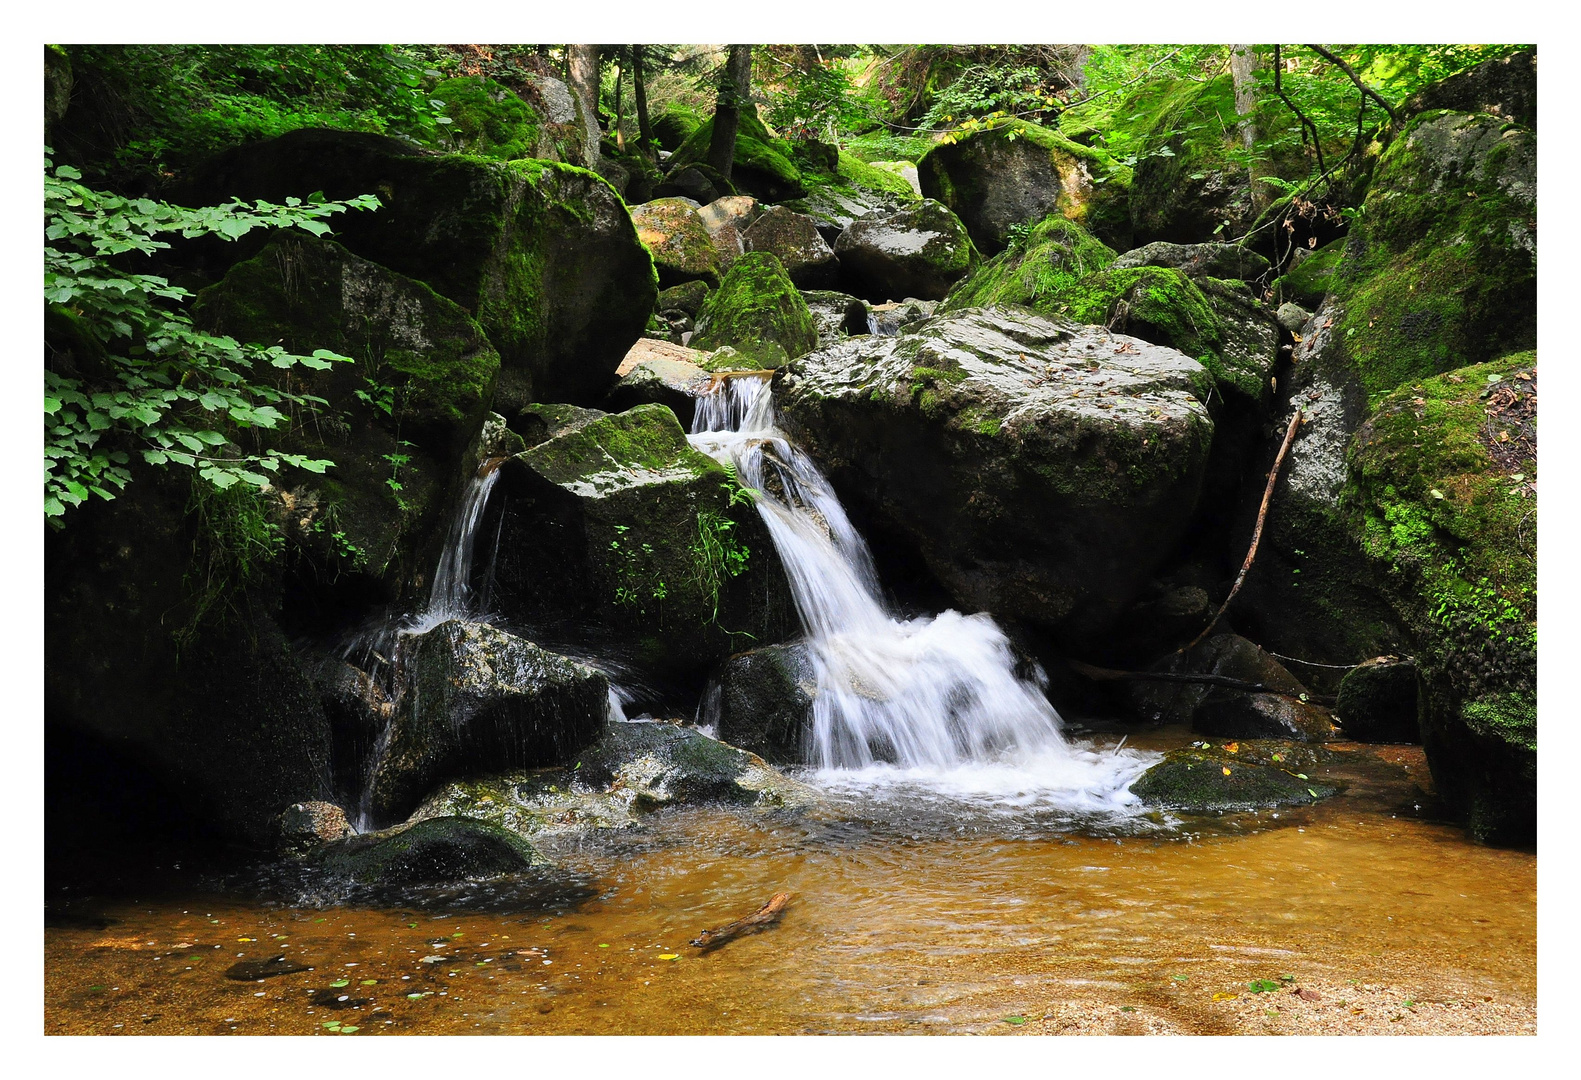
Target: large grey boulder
{"points": [[836, 314], [794, 239], [834, 208], [478, 699], [1198, 260], [919, 251], [435, 851], [1042, 468]]}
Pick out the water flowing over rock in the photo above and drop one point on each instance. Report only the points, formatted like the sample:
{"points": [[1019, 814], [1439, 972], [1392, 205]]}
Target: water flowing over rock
{"points": [[543, 255], [1043, 469], [937, 697], [920, 251], [618, 529], [477, 699]]}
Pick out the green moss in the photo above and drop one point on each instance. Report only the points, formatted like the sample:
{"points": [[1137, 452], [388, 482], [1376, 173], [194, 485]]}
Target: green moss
{"points": [[1440, 271], [762, 163], [489, 119], [758, 312], [1310, 281], [674, 125], [1034, 271], [861, 174], [1204, 781], [1509, 717], [647, 438]]}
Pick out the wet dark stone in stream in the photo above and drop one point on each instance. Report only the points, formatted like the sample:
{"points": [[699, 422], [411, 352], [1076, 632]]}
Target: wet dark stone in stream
{"points": [[1208, 780], [335, 999], [254, 970], [1378, 702], [436, 850]]}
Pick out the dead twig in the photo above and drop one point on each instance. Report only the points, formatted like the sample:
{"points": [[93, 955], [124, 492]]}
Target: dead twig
{"points": [[761, 919], [1257, 533]]}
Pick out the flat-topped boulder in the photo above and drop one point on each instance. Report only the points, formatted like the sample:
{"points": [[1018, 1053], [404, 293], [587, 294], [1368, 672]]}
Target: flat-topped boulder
{"points": [[920, 250], [1042, 468]]}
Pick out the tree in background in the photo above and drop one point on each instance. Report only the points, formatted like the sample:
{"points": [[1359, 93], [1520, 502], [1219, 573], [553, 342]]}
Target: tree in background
{"points": [[735, 91], [582, 74]]}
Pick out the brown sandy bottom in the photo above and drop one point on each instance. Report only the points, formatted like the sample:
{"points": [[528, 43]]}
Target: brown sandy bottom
{"points": [[1342, 918]]}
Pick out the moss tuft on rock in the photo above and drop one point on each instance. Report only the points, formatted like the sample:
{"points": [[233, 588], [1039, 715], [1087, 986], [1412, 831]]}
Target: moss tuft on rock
{"points": [[763, 164], [758, 312], [488, 118]]}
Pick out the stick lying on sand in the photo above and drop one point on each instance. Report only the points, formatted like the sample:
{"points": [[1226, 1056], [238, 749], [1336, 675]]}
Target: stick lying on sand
{"points": [[761, 919]]}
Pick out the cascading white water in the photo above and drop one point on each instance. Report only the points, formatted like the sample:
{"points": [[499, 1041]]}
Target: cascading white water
{"points": [[450, 594], [931, 700]]}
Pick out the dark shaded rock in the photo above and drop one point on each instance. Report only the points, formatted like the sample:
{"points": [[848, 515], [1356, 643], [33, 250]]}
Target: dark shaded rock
{"points": [[434, 851], [478, 700], [1042, 469], [307, 825], [659, 380], [1162, 619], [757, 311], [1206, 781], [259, 970], [696, 182], [537, 424], [1228, 712], [1378, 702], [665, 763], [1018, 172], [1506, 88], [688, 298], [836, 314], [682, 249], [920, 250], [793, 239], [1198, 260], [763, 165], [619, 526], [765, 702], [543, 255], [439, 370], [672, 125]]}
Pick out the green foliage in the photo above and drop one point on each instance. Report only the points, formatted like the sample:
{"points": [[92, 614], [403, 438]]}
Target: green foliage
{"points": [[488, 119], [236, 547], [815, 102], [989, 90], [633, 586], [130, 373], [179, 103]]}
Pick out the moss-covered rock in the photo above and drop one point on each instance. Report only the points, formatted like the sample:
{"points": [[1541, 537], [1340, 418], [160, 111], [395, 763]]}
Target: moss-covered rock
{"points": [[1309, 277], [673, 125], [1378, 701], [918, 251], [1441, 270], [757, 311], [489, 119], [434, 851], [422, 380], [1225, 261], [1017, 172], [687, 298], [1198, 781], [619, 527], [762, 167], [1443, 501], [1044, 265], [794, 240], [478, 700], [543, 255], [1506, 88], [1043, 469], [682, 248]]}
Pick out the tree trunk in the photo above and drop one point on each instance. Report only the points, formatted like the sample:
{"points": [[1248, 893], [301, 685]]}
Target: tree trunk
{"points": [[620, 136], [583, 76], [735, 93], [1244, 65], [640, 92]]}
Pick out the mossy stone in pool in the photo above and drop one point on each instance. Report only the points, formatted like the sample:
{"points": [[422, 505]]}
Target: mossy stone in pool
{"points": [[434, 851], [1202, 781]]}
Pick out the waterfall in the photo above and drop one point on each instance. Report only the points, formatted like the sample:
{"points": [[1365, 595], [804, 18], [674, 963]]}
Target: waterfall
{"points": [[450, 595], [933, 698]]}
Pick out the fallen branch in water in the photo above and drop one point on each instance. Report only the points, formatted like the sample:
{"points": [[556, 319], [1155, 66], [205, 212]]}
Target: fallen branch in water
{"points": [[761, 919], [1112, 675], [1257, 533]]}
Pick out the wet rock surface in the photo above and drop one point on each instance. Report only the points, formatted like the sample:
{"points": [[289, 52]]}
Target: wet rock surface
{"points": [[1378, 702], [1205, 778], [919, 251], [435, 850], [765, 702], [1042, 468]]}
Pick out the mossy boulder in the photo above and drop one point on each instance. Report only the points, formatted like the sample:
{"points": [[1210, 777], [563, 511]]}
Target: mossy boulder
{"points": [[686, 298], [1228, 261], [1040, 267], [1506, 88], [1213, 780], [618, 525], [758, 312], [1043, 469], [434, 851], [489, 119], [415, 352], [920, 250], [543, 255], [762, 166], [766, 700], [1441, 270], [1018, 172], [479, 700], [1378, 701], [673, 125], [682, 248], [794, 240], [1443, 502], [1311, 273]]}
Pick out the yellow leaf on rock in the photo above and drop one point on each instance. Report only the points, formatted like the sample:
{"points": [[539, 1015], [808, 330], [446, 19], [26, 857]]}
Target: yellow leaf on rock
{"points": [[1226, 770], [669, 956]]}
